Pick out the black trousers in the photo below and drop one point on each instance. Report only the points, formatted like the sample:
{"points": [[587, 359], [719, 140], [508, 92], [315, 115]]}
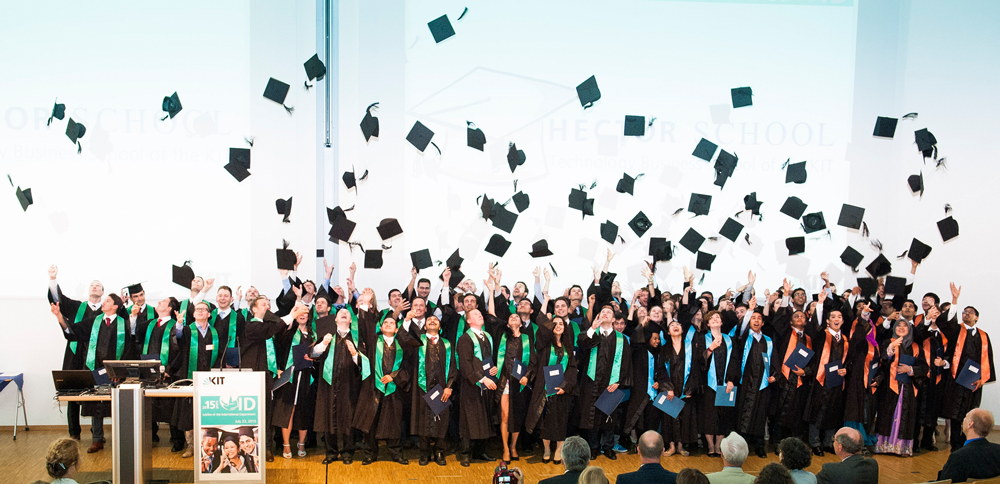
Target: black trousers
{"points": [[602, 435], [73, 418], [371, 446], [957, 437], [339, 444], [469, 447], [430, 446]]}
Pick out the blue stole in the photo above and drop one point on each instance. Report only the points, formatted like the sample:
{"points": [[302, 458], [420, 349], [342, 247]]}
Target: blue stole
{"points": [[712, 378], [767, 359], [687, 362], [649, 383]]}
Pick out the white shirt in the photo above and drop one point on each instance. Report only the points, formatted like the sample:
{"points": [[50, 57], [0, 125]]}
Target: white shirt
{"points": [[756, 336], [835, 334], [418, 322], [971, 328]]}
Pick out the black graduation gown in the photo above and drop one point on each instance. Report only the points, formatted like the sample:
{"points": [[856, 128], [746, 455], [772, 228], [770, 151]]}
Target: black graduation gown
{"points": [[69, 308], [551, 413], [931, 395], [294, 400], [163, 408], [684, 428], [189, 314], [376, 412], [788, 400], [958, 399], [889, 398], [825, 408], [519, 396], [641, 414], [142, 320], [713, 420], [436, 357], [234, 323], [476, 414], [106, 348], [859, 400], [336, 400], [183, 412], [752, 402], [591, 389]]}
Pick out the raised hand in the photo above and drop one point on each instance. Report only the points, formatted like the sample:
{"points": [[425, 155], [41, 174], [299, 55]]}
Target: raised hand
{"points": [[351, 348], [54, 307], [933, 314], [646, 273], [825, 277], [328, 268], [787, 286], [239, 293], [353, 268], [298, 260], [537, 272], [611, 255], [955, 292], [297, 290], [688, 275], [327, 338], [751, 277], [135, 310], [53, 272], [545, 273]]}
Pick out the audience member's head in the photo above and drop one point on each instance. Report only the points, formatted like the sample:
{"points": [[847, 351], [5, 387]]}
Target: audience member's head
{"points": [[63, 458], [650, 447], [847, 442], [734, 450], [592, 475], [774, 474], [575, 453], [795, 454], [977, 423], [691, 476]]}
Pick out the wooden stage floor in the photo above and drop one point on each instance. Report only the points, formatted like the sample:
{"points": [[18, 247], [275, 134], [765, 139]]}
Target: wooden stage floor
{"points": [[23, 461]]}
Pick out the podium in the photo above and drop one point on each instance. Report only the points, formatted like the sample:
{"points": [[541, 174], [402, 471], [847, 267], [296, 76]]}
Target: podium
{"points": [[131, 415]]}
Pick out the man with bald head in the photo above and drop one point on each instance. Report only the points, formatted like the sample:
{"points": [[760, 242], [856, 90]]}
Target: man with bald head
{"points": [[650, 470], [475, 407], [854, 468], [978, 458]]}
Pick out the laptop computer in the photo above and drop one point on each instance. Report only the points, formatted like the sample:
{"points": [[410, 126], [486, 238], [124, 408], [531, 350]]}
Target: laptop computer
{"points": [[70, 381]]}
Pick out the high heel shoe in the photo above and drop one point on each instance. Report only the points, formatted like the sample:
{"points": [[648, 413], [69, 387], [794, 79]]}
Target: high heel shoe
{"points": [[287, 455], [302, 449], [546, 459]]}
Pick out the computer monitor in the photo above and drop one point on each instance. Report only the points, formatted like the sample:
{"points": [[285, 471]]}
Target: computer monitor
{"points": [[132, 371]]}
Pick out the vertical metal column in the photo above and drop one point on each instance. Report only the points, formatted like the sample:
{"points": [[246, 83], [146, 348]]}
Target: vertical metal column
{"points": [[132, 447]]}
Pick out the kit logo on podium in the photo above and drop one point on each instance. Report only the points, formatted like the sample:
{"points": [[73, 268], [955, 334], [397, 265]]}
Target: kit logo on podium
{"points": [[229, 418]]}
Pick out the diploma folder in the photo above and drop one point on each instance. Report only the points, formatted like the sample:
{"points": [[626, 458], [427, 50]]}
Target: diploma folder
{"points": [[800, 357], [553, 378], [487, 365], [904, 360], [970, 374], [299, 360], [671, 407], [433, 399], [608, 401], [833, 379], [518, 370], [723, 399], [286, 375]]}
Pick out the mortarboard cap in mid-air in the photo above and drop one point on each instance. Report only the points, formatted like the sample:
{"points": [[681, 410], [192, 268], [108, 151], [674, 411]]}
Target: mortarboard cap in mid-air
{"points": [[704, 261], [699, 204], [419, 136], [277, 91], [813, 222], [540, 249], [497, 245], [880, 266], [475, 137], [750, 203], [24, 198], [373, 259], [609, 232], [389, 228], [315, 69], [705, 150], [851, 257], [742, 96], [502, 218], [521, 201], [183, 275], [795, 245], [369, 123], [284, 207], [796, 173], [635, 125], [851, 216], [731, 229], [794, 207], [640, 224], [421, 259], [885, 127], [660, 249], [441, 28], [948, 228], [588, 92], [918, 251], [515, 157], [692, 240], [171, 105]]}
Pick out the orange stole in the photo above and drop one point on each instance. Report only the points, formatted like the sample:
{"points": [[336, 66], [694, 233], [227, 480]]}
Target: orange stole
{"points": [[871, 349], [892, 369], [821, 374], [793, 341], [984, 357]]}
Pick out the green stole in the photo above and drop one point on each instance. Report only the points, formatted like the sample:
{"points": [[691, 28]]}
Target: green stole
{"points": [[95, 329], [193, 351], [296, 340], [79, 317], [475, 344], [354, 323], [462, 329], [150, 313], [564, 361], [232, 326], [164, 344], [328, 364], [616, 367], [513, 307], [386, 388], [421, 366], [525, 351]]}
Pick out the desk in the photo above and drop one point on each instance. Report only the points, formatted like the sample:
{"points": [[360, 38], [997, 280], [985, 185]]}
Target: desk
{"points": [[17, 379], [180, 392]]}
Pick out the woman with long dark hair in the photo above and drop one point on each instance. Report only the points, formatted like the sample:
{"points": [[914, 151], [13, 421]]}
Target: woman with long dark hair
{"points": [[550, 412]]}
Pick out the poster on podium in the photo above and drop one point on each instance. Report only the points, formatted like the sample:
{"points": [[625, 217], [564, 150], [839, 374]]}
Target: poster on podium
{"points": [[228, 427]]}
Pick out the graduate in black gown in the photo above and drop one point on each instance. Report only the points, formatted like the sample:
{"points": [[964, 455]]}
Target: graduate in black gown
{"points": [[935, 345], [897, 411], [716, 422], [825, 409], [140, 314], [337, 362], [608, 366], [647, 371], [198, 349], [792, 385], [859, 391], [476, 412], [228, 320], [294, 401], [753, 370], [515, 343], [548, 412], [436, 365], [679, 356], [158, 339]]}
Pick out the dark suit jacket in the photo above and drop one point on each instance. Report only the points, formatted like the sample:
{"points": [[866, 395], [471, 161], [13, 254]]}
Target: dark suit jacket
{"points": [[854, 469], [979, 459], [568, 478], [648, 473]]}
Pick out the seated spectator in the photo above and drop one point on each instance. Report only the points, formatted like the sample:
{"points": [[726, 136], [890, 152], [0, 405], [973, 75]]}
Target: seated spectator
{"points": [[978, 458], [62, 461], [691, 476], [734, 452], [854, 468], [593, 475], [774, 474], [650, 471], [795, 455], [575, 457]]}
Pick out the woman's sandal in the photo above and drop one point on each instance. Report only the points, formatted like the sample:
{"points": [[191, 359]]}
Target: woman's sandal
{"points": [[287, 455]]}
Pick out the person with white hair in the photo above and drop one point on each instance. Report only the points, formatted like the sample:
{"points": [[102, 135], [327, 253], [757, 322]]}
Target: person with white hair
{"points": [[734, 452], [575, 457]]}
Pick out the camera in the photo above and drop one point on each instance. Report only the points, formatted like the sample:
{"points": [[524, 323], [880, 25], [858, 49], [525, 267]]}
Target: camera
{"points": [[502, 475]]}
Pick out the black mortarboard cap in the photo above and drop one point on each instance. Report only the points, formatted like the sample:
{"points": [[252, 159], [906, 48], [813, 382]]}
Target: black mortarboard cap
{"points": [[885, 127], [315, 69], [925, 141], [731, 229], [135, 289], [742, 96], [373, 259], [369, 124], [725, 164], [183, 275], [441, 28], [750, 203], [918, 251], [576, 198], [813, 222], [497, 245], [351, 179], [171, 105], [502, 218], [796, 173], [588, 92], [609, 232], [880, 266], [640, 224], [948, 228], [705, 261], [692, 240], [868, 285], [795, 245], [286, 259], [419, 136], [521, 201], [284, 207], [454, 261], [487, 207], [475, 137], [515, 157], [794, 207], [75, 130], [540, 249], [699, 204], [851, 216], [916, 183], [24, 198], [851, 257], [421, 259], [58, 112], [635, 125], [705, 150], [895, 286], [240, 156], [340, 227], [626, 184], [389, 228], [660, 249], [276, 91], [237, 171]]}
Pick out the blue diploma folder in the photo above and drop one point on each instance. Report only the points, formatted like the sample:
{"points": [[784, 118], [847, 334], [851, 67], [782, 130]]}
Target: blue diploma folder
{"points": [[800, 357], [553, 378], [433, 399], [833, 379], [671, 407], [608, 401], [904, 360], [970, 374], [518, 371], [723, 399]]}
